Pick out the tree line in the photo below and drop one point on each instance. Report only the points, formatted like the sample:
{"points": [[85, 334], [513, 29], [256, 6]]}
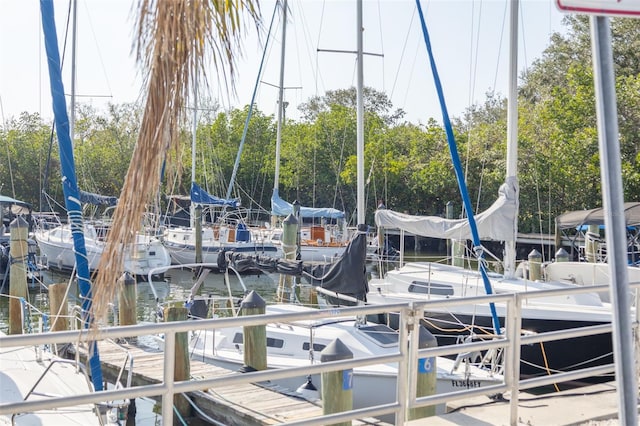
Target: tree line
{"points": [[407, 165]]}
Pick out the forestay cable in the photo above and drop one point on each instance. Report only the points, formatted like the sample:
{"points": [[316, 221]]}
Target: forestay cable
{"points": [[477, 248]]}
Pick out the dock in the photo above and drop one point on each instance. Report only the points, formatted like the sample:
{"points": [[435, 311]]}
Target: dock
{"points": [[244, 404], [591, 405]]}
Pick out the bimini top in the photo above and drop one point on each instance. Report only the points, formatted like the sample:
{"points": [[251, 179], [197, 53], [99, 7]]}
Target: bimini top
{"points": [[15, 206], [578, 218]]}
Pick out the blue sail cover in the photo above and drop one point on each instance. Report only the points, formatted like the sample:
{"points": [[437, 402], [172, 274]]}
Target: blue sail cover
{"points": [[279, 207], [69, 182], [200, 196], [97, 199]]}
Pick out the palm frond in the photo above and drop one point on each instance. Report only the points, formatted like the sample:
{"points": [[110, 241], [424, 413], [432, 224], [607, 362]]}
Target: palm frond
{"points": [[174, 41]]}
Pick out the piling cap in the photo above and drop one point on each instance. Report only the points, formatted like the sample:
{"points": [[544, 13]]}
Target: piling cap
{"points": [[335, 351], [290, 220], [253, 300], [562, 254], [18, 222], [426, 339], [128, 279], [535, 254]]}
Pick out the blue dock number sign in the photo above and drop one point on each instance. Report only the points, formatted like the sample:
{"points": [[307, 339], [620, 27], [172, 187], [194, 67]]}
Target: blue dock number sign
{"points": [[347, 379], [425, 365]]}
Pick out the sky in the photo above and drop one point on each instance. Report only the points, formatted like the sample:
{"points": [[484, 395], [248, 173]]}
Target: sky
{"points": [[469, 40]]}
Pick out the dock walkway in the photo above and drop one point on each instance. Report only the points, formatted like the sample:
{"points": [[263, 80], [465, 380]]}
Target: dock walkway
{"points": [[238, 404], [591, 405]]}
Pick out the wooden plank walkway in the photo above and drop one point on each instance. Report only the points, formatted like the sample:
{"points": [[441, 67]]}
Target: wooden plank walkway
{"points": [[244, 404]]}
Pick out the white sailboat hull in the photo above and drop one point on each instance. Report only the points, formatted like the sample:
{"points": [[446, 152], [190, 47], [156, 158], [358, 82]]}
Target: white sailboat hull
{"points": [[143, 256], [181, 244]]}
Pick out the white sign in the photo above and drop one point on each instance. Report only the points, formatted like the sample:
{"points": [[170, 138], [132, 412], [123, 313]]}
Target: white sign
{"points": [[623, 8]]}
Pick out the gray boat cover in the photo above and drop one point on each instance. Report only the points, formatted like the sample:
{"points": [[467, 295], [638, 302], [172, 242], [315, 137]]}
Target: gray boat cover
{"points": [[595, 216], [497, 223]]}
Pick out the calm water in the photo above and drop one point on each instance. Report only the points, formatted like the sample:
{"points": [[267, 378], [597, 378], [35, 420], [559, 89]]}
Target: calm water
{"points": [[176, 288]]}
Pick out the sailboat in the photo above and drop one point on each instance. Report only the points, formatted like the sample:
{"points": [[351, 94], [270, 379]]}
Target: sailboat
{"points": [[295, 343], [57, 244], [434, 281], [326, 237], [58, 241], [229, 231]]}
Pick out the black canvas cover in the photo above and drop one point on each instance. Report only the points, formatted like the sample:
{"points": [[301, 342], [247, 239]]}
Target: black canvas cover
{"points": [[346, 275]]}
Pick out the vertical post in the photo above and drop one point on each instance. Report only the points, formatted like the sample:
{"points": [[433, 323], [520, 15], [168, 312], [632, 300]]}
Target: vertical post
{"points": [[127, 300], [360, 197], [254, 336], [17, 272], [509, 258], [59, 306], [337, 386], [562, 255], [181, 368], [455, 248], [591, 245], [535, 265], [614, 220], [198, 231], [296, 213], [290, 249], [427, 375], [448, 213]]}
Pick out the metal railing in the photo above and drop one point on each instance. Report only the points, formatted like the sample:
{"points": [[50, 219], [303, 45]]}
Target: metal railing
{"points": [[406, 357]]}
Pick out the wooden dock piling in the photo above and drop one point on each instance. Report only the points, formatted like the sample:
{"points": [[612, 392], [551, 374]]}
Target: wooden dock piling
{"points": [[427, 375], [337, 386], [255, 336], [18, 251], [59, 307], [127, 300], [182, 363]]}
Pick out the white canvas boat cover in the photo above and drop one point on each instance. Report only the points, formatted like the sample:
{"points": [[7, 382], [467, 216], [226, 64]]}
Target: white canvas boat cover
{"points": [[497, 223]]}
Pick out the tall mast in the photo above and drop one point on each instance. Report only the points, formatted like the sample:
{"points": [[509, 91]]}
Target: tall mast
{"points": [[74, 45], [280, 97], [192, 207], [512, 133], [360, 121]]}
